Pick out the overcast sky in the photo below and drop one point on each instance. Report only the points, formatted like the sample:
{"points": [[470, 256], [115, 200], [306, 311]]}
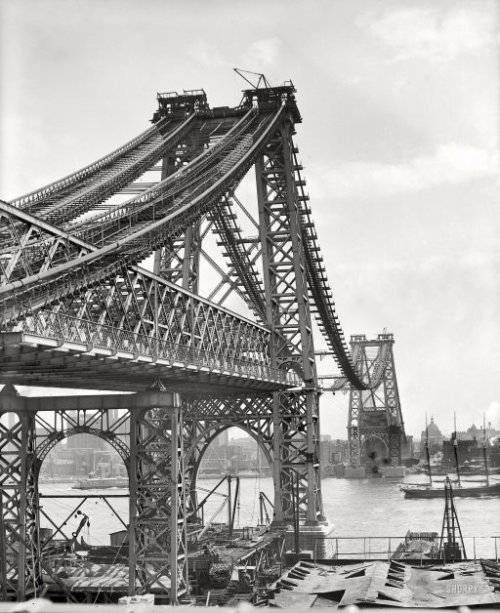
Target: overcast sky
{"points": [[399, 142]]}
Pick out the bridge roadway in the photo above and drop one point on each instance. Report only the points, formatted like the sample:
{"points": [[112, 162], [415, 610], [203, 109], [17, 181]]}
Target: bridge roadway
{"points": [[146, 328], [59, 350]]}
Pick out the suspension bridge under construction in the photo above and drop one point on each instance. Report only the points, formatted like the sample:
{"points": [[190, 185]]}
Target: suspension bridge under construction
{"points": [[101, 290]]}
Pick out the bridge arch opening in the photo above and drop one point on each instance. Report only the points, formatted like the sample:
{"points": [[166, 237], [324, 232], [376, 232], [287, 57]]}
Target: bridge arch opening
{"points": [[234, 452], [227, 451], [375, 454], [86, 440], [83, 487], [79, 456]]}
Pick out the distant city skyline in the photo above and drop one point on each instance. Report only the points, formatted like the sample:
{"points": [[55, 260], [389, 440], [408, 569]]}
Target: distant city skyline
{"points": [[339, 429]]}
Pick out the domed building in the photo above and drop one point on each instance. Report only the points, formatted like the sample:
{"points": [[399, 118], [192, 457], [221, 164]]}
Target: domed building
{"points": [[432, 434]]}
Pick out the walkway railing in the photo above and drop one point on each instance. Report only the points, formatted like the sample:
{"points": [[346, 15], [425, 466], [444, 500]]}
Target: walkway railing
{"points": [[68, 329], [383, 547]]}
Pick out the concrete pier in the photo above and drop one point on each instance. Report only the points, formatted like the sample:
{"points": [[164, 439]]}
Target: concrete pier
{"points": [[314, 541]]}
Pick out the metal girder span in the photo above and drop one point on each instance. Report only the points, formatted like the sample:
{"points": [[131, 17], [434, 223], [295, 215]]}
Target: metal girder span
{"points": [[191, 333], [137, 244], [45, 196], [244, 270], [140, 313], [178, 187], [326, 314], [21, 242], [136, 311], [30, 247], [75, 179], [109, 181], [321, 293]]}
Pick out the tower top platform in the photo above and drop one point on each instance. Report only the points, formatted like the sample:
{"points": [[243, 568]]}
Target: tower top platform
{"points": [[173, 103], [269, 98], [266, 99]]}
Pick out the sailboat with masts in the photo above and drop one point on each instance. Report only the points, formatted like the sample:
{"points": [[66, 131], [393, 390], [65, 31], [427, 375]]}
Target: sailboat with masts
{"points": [[461, 489]]}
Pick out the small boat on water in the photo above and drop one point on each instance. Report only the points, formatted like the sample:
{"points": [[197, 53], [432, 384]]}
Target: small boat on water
{"points": [[460, 489], [427, 490], [100, 483]]}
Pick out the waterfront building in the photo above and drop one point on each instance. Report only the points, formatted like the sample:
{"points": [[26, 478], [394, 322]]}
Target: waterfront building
{"points": [[470, 446]]}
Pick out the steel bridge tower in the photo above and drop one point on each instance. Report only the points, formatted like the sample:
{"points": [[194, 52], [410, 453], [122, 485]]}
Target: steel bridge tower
{"points": [[375, 427], [80, 308]]}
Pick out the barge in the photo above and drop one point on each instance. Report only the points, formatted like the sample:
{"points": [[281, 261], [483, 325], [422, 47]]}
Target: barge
{"points": [[100, 483]]}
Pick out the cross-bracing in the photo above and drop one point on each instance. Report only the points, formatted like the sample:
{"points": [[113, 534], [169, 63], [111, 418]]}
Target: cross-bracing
{"points": [[103, 291]]}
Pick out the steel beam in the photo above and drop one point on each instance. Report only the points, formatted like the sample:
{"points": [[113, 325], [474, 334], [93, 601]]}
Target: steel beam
{"points": [[295, 414], [157, 533], [18, 483]]}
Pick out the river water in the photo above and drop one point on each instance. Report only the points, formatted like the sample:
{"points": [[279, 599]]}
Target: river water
{"points": [[357, 508]]}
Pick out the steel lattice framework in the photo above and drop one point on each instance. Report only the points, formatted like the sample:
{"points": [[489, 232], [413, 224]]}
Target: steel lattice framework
{"points": [[375, 413], [100, 288]]}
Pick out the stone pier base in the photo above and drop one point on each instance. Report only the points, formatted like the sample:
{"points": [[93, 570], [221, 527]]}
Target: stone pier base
{"points": [[314, 541]]}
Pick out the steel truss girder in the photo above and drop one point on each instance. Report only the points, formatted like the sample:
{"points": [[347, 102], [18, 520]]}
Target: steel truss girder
{"points": [[243, 270], [19, 544], [130, 307], [296, 453], [158, 520], [295, 414], [376, 412], [138, 312], [205, 418], [116, 177], [41, 195], [179, 260], [63, 424], [30, 246], [98, 265], [232, 160], [151, 443]]}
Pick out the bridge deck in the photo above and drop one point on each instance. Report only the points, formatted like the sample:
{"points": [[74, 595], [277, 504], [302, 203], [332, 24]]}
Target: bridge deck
{"points": [[27, 359]]}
